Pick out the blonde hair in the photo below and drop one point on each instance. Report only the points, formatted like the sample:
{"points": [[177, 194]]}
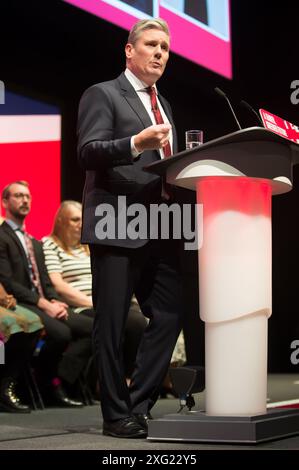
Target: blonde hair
{"points": [[143, 25], [59, 232]]}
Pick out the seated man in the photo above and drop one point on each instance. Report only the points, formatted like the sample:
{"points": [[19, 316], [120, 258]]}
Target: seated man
{"points": [[23, 273]]}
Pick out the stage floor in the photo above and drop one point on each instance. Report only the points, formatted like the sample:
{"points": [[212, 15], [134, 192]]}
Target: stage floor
{"points": [[71, 429]]}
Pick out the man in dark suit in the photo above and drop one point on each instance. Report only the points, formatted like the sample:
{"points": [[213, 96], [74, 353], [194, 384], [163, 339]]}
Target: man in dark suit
{"points": [[124, 125], [24, 274]]}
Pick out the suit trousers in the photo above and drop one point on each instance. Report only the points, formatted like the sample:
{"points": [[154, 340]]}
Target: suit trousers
{"points": [[68, 345], [18, 351], [151, 272]]}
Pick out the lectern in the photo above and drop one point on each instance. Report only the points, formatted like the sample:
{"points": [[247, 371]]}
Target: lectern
{"points": [[234, 178]]}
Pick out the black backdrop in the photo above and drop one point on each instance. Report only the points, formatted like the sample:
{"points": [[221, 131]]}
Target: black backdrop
{"points": [[53, 51]]}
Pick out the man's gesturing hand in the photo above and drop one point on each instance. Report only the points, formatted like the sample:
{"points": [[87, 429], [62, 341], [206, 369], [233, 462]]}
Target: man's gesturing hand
{"points": [[152, 138]]}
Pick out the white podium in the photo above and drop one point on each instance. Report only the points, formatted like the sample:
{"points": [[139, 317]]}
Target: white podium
{"points": [[234, 178]]}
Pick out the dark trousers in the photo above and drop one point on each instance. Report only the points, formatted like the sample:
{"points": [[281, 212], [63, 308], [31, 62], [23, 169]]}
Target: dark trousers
{"points": [[67, 345], [134, 329], [152, 273], [18, 351]]}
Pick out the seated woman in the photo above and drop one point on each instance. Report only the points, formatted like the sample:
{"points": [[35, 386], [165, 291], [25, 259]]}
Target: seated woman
{"points": [[68, 264], [19, 330]]}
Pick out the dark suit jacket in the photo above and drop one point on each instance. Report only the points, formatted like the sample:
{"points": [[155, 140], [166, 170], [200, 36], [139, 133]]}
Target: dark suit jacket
{"points": [[14, 271], [109, 114]]}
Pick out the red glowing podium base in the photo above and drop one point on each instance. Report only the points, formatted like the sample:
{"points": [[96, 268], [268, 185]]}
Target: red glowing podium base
{"points": [[234, 178]]}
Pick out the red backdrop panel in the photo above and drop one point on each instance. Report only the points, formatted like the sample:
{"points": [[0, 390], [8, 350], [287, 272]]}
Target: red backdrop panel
{"points": [[39, 164]]}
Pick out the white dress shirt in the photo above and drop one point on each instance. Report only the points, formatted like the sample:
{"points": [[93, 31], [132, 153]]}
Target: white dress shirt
{"points": [[19, 231], [140, 88]]}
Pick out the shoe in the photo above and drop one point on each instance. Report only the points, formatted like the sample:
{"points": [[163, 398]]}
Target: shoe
{"points": [[126, 427], [142, 419], [62, 399], [9, 401]]}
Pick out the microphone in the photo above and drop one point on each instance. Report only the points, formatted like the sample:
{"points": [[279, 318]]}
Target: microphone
{"points": [[223, 95], [247, 106]]}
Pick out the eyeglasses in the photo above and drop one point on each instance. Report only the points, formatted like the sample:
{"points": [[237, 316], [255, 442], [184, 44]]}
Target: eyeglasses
{"points": [[22, 196]]}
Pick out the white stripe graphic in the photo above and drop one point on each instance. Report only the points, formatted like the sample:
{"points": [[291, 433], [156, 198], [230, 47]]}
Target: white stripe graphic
{"points": [[30, 128]]}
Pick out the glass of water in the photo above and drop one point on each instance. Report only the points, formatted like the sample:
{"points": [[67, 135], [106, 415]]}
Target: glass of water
{"points": [[193, 138]]}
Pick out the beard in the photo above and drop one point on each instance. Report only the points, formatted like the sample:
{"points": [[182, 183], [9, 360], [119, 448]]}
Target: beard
{"points": [[20, 213]]}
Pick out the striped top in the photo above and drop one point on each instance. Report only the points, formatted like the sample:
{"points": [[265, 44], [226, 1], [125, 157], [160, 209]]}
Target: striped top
{"points": [[74, 268]]}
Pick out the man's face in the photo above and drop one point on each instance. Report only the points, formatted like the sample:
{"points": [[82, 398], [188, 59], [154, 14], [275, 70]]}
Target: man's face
{"points": [[18, 203], [147, 59]]}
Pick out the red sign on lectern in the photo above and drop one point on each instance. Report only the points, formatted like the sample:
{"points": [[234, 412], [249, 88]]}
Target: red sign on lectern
{"points": [[280, 126]]}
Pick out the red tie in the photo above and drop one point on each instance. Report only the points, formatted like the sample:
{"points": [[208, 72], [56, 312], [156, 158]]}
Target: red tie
{"points": [[158, 116], [35, 278], [166, 188]]}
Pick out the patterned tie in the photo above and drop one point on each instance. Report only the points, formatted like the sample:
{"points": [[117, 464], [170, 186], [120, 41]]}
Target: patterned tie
{"points": [[166, 188], [158, 116], [35, 277]]}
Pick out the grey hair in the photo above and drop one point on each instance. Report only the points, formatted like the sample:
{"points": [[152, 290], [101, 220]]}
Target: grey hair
{"points": [[143, 25]]}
